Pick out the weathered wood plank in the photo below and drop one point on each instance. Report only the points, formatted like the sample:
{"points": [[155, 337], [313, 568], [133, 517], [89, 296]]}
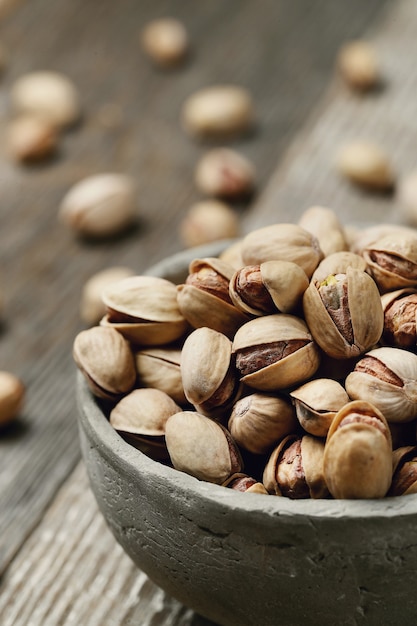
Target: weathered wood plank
{"points": [[283, 53]]}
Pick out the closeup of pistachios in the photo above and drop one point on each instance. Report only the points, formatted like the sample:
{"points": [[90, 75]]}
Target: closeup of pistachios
{"points": [[287, 366]]}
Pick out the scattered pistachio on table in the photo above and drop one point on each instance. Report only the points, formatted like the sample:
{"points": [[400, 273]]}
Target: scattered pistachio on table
{"points": [[165, 41], [219, 111], [367, 165], [252, 407], [47, 94], [225, 173], [407, 197], [31, 138], [12, 395], [357, 63], [207, 221], [92, 307], [100, 205]]}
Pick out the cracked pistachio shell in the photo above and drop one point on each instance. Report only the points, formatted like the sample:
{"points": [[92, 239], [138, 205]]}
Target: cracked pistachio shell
{"points": [[259, 420], [366, 237], [144, 309], [392, 260], [279, 285], [209, 378], [143, 412], [106, 361], [400, 318], [317, 402], [285, 242], [361, 320], [324, 224], [204, 298], [244, 483], [387, 377], [201, 447], [337, 263], [404, 479], [358, 453], [274, 352], [160, 368], [295, 468]]}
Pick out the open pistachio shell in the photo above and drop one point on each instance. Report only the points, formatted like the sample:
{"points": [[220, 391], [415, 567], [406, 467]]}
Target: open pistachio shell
{"points": [[358, 453], [159, 368], [275, 352], [317, 402], [404, 479], [312, 453], [324, 224], [269, 478], [387, 377], [286, 242], [337, 263], [143, 412], [201, 447], [144, 309], [392, 260], [400, 318], [362, 323]]}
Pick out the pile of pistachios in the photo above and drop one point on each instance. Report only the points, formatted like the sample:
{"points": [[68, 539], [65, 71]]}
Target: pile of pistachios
{"points": [[285, 366]]}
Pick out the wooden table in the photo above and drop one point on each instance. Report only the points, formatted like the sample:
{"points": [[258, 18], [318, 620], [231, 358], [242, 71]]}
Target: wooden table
{"points": [[59, 564]]}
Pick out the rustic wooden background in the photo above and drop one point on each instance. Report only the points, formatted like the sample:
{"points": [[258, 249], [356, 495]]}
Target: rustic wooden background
{"points": [[283, 51]]}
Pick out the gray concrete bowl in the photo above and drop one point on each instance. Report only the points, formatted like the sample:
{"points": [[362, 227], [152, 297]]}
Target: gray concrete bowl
{"points": [[247, 559]]}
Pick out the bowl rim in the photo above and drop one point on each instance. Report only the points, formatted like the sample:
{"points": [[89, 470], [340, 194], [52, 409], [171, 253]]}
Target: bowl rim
{"points": [[119, 453]]}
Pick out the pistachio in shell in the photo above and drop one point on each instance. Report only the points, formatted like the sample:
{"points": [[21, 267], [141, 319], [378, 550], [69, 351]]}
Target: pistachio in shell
{"points": [[386, 377], [400, 318], [338, 263], [275, 352], [324, 224], [404, 478], [358, 453], [344, 313], [159, 368], [201, 447], [144, 309], [392, 260], [245, 484]]}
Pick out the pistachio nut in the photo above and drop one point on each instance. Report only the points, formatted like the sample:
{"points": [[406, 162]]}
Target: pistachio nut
{"points": [[366, 164], [201, 447], [159, 368], [140, 417], [317, 402], [324, 224], [209, 378], [392, 260], [208, 220], [400, 318], [12, 396], [258, 421], [344, 313], [106, 360], [144, 309], [31, 138], [225, 173], [274, 352], [268, 288], [244, 483], [232, 255], [404, 478], [358, 65], [366, 237], [204, 298], [165, 41], [358, 453], [337, 263], [282, 242], [295, 468], [386, 377]]}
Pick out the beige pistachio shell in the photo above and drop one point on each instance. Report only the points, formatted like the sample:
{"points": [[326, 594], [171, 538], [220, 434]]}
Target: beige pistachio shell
{"points": [[358, 454], [144, 309], [365, 238], [365, 312], [387, 377], [259, 420], [338, 263], [324, 224], [106, 360], [312, 454], [143, 412], [366, 164], [404, 479], [260, 337], [201, 447], [392, 260], [317, 402], [159, 368], [269, 478], [205, 363], [285, 242], [232, 255], [12, 397], [244, 483]]}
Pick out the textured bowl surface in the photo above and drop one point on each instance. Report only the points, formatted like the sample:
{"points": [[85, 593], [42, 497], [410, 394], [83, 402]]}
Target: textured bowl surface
{"points": [[249, 559]]}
